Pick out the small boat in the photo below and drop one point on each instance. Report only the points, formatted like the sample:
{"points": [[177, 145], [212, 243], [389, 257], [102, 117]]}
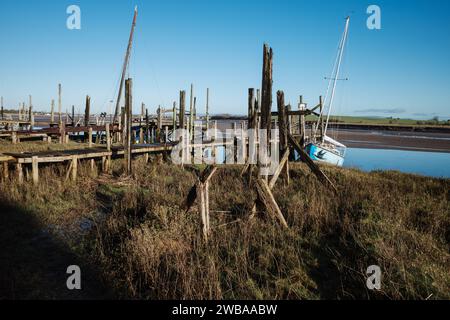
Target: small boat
{"points": [[319, 146], [329, 151]]}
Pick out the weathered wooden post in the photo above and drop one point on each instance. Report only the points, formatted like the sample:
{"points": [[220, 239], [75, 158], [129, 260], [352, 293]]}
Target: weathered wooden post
{"points": [[74, 168], [191, 114], [52, 112], [14, 137], [141, 135], [266, 102], [87, 115], [30, 114], [147, 126], [129, 112], [2, 114], [35, 169], [5, 170], [123, 120], [19, 172], [159, 124], [90, 137], [182, 108], [72, 122], [283, 127], [174, 116], [108, 145], [59, 104]]}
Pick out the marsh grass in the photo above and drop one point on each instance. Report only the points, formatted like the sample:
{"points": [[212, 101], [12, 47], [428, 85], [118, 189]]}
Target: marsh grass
{"points": [[148, 247]]}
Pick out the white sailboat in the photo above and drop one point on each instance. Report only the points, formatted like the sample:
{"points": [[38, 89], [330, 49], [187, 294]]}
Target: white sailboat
{"points": [[321, 147]]}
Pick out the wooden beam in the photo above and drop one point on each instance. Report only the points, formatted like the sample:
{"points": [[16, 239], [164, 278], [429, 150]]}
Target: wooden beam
{"points": [[267, 199]]}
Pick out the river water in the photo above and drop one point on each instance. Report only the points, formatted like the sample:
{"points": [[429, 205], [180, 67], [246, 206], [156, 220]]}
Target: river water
{"points": [[424, 163]]}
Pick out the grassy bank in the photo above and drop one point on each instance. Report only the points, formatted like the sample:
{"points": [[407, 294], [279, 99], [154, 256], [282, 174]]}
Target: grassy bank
{"points": [[133, 239]]}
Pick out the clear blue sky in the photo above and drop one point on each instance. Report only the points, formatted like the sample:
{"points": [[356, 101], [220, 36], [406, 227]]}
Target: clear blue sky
{"points": [[401, 70]]}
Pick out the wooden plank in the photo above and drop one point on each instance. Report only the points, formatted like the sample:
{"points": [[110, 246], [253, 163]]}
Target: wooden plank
{"points": [[274, 178]]}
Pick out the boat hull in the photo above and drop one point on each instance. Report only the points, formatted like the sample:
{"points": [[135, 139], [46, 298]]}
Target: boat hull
{"points": [[317, 153]]}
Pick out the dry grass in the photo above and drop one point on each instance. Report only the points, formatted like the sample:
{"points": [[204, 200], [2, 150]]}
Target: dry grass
{"points": [[153, 249]]}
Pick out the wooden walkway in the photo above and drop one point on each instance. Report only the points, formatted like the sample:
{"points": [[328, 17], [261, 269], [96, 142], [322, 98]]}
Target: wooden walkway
{"points": [[18, 159]]}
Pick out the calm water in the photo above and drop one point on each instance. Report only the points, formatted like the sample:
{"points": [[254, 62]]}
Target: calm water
{"points": [[425, 163]]}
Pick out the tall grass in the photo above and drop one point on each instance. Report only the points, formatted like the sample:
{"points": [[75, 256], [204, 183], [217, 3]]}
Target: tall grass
{"points": [[148, 247]]}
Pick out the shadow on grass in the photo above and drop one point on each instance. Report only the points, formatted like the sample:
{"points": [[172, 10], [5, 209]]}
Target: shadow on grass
{"points": [[33, 263]]}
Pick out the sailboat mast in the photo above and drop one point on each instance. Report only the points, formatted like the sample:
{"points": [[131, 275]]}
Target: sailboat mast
{"points": [[336, 76], [125, 64]]}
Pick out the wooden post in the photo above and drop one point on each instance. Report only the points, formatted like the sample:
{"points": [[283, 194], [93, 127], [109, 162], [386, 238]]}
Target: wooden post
{"points": [[141, 135], [92, 164], [87, 115], [35, 169], [30, 114], [266, 102], [104, 166], [266, 197], [147, 126], [2, 114], [123, 116], [129, 113], [59, 104], [191, 113], [108, 137], [282, 121], [73, 116], [251, 107], [30, 109], [266, 95], [283, 127], [159, 124], [182, 108], [19, 172], [174, 116], [62, 133], [74, 168], [90, 137], [52, 112], [14, 137], [5, 170]]}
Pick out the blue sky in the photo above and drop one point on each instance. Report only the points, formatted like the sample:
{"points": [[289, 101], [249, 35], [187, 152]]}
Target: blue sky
{"points": [[401, 70]]}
